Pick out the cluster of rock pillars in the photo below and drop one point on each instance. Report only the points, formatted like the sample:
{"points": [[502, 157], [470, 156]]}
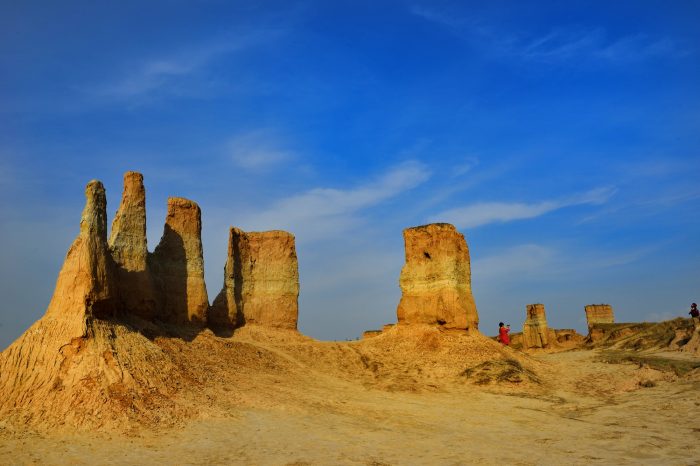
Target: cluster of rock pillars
{"points": [[114, 277]]}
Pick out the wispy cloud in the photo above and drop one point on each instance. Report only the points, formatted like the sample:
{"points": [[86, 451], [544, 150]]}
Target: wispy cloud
{"points": [[561, 44], [323, 211], [541, 262], [521, 259], [484, 213], [259, 150], [430, 14], [168, 72]]}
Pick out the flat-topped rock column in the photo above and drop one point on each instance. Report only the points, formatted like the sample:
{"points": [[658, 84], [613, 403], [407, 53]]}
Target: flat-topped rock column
{"points": [[535, 330], [436, 279], [599, 314], [261, 281], [178, 264]]}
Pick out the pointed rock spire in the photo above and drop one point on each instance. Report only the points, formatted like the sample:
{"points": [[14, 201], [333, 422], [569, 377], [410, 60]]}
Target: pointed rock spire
{"points": [[86, 282], [128, 239], [128, 246]]}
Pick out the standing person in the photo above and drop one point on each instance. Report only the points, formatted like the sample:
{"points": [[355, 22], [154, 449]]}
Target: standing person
{"points": [[694, 311], [503, 333]]}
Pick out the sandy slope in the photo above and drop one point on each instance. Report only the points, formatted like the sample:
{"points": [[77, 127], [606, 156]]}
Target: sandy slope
{"points": [[263, 398]]}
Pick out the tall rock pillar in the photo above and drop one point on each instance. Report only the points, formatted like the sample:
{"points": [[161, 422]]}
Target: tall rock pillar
{"points": [[535, 331], [127, 244], [436, 279], [86, 283], [178, 264], [261, 281]]}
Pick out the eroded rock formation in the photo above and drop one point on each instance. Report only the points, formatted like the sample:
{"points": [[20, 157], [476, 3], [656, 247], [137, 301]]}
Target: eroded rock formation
{"points": [[127, 243], [535, 330], [436, 279], [68, 366], [178, 263], [261, 281], [599, 314], [86, 284]]}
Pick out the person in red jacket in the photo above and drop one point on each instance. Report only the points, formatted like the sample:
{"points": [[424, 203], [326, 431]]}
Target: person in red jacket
{"points": [[694, 311], [503, 333]]}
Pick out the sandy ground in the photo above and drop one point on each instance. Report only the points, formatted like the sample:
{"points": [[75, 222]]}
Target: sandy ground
{"points": [[291, 408]]}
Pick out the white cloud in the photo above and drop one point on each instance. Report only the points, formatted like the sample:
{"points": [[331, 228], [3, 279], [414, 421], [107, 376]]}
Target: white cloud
{"points": [[467, 165], [259, 150], [323, 211], [484, 213]]}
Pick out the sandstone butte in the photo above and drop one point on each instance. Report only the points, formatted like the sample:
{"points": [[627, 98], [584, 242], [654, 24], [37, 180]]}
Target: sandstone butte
{"points": [[599, 314], [535, 330], [261, 281], [436, 279]]}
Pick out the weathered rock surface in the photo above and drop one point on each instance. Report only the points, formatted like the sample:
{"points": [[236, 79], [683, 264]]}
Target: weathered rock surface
{"points": [[599, 314], [127, 243], [75, 365], [86, 284], [261, 281], [535, 330], [436, 279], [568, 336], [178, 265]]}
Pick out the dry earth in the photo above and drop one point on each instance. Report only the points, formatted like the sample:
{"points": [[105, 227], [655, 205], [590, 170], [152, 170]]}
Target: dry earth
{"points": [[409, 396]]}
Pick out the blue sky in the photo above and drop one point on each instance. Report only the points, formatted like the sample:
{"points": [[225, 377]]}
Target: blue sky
{"points": [[562, 138]]}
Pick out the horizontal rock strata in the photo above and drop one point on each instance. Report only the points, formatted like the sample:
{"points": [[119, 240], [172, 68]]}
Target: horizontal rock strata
{"points": [[599, 314], [436, 279], [535, 330], [261, 281]]}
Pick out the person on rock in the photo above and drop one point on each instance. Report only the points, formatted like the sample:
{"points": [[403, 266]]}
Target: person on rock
{"points": [[694, 313], [503, 334]]}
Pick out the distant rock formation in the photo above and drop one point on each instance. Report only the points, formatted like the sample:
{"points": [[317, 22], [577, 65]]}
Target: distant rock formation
{"points": [[599, 314], [261, 281], [178, 263], [535, 331], [568, 336], [436, 279]]}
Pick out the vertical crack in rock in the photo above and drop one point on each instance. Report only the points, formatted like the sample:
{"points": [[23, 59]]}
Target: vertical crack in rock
{"points": [[178, 265], [128, 246], [535, 330], [261, 281], [436, 279], [599, 314]]}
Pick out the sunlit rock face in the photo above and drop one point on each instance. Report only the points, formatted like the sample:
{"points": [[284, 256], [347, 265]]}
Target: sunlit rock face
{"points": [[261, 281], [599, 314], [535, 331], [86, 285], [178, 265], [127, 243], [436, 279]]}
